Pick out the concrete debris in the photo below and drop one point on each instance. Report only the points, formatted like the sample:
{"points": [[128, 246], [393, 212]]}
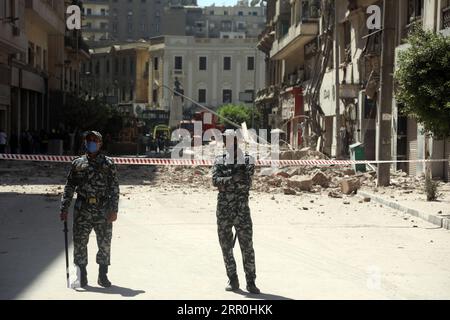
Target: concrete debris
{"points": [[319, 178], [300, 183], [289, 192], [349, 186]]}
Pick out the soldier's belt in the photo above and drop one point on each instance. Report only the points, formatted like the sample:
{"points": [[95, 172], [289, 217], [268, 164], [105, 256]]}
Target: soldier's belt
{"points": [[92, 200]]}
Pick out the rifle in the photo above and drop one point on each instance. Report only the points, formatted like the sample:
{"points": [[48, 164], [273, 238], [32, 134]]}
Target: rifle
{"points": [[66, 241]]}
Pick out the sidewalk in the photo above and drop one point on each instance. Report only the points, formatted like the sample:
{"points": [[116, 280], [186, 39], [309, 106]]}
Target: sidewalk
{"points": [[414, 203]]}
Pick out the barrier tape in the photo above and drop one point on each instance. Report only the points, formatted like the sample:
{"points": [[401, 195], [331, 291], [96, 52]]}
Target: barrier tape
{"points": [[206, 163]]}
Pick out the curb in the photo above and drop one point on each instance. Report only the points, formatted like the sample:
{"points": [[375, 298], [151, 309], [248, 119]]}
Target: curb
{"points": [[436, 220]]}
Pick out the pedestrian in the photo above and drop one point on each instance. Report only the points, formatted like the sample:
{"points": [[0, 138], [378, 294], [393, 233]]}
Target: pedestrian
{"points": [[232, 175], [3, 141], [93, 177], [14, 142]]}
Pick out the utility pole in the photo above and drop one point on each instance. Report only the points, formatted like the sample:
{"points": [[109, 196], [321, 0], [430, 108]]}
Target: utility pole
{"points": [[337, 84], [384, 110]]}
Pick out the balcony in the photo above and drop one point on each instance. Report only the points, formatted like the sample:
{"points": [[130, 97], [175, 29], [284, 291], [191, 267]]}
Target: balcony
{"points": [[295, 39]]}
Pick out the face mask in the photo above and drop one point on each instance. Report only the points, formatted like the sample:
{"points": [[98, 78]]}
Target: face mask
{"points": [[92, 147]]}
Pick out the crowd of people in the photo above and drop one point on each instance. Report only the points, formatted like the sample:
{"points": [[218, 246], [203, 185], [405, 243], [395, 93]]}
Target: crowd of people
{"points": [[33, 142]]}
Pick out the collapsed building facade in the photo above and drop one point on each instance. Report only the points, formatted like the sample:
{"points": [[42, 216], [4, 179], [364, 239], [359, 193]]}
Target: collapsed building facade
{"points": [[323, 71]]}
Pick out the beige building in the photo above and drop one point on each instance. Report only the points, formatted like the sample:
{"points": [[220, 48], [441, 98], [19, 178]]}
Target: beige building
{"points": [[39, 62], [213, 72], [13, 48], [118, 73]]}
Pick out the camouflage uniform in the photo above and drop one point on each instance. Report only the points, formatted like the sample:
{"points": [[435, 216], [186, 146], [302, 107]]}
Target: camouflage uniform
{"points": [[95, 181], [233, 211]]}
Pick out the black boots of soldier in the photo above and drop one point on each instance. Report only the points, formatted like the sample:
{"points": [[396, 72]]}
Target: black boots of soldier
{"points": [[83, 277], [233, 284], [102, 277], [252, 288]]}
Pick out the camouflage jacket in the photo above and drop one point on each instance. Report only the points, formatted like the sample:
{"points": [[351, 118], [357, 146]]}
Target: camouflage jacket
{"points": [[223, 174], [93, 179]]}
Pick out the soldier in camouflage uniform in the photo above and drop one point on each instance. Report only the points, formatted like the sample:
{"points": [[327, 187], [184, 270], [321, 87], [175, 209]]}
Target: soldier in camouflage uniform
{"points": [[93, 177], [234, 181]]}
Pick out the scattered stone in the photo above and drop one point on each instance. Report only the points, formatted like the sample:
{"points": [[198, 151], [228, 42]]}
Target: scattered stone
{"points": [[300, 183], [334, 194], [367, 199], [349, 172], [349, 186], [289, 192], [319, 178]]}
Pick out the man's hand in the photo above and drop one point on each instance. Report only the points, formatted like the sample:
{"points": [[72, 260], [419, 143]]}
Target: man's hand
{"points": [[112, 217], [64, 216]]}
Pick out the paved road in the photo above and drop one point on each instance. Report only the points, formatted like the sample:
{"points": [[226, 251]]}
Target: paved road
{"points": [[165, 246]]}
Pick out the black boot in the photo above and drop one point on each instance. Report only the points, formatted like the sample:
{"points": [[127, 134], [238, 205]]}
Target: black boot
{"points": [[83, 276], [102, 277], [233, 284], [252, 288]]}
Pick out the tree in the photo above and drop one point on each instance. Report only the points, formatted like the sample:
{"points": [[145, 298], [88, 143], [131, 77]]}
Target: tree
{"points": [[238, 114], [90, 115], [423, 81]]}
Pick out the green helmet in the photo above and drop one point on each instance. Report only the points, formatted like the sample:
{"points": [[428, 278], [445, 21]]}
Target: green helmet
{"points": [[93, 133]]}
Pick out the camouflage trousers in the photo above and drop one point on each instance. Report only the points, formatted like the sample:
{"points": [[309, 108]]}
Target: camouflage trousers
{"points": [[237, 216], [84, 222]]}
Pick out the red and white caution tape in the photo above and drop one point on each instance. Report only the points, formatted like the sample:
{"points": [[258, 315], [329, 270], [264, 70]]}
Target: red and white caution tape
{"points": [[206, 163]]}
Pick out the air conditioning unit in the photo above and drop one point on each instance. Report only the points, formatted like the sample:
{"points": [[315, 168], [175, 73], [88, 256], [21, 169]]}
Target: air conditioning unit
{"points": [[16, 31]]}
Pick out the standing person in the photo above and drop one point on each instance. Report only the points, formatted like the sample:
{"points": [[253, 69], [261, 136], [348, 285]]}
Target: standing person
{"points": [[14, 142], [94, 178], [3, 141], [232, 175]]}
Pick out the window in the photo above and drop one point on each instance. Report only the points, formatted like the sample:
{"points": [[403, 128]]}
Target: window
{"points": [[415, 10], [31, 54], [38, 57], [227, 96], [250, 63], [116, 66], [156, 63], [202, 95], [12, 10], [124, 66], [202, 63], [97, 68], [107, 66], [131, 65], [155, 96], [227, 63], [178, 63], [240, 13]]}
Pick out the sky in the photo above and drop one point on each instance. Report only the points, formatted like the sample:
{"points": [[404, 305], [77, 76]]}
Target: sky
{"points": [[203, 3]]}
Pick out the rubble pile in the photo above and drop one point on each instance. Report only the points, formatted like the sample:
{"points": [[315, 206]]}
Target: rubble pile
{"points": [[334, 181]]}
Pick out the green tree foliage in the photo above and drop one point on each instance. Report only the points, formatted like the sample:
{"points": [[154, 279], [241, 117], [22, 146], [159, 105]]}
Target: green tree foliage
{"points": [[90, 115], [238, 114], [423, 80]]}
